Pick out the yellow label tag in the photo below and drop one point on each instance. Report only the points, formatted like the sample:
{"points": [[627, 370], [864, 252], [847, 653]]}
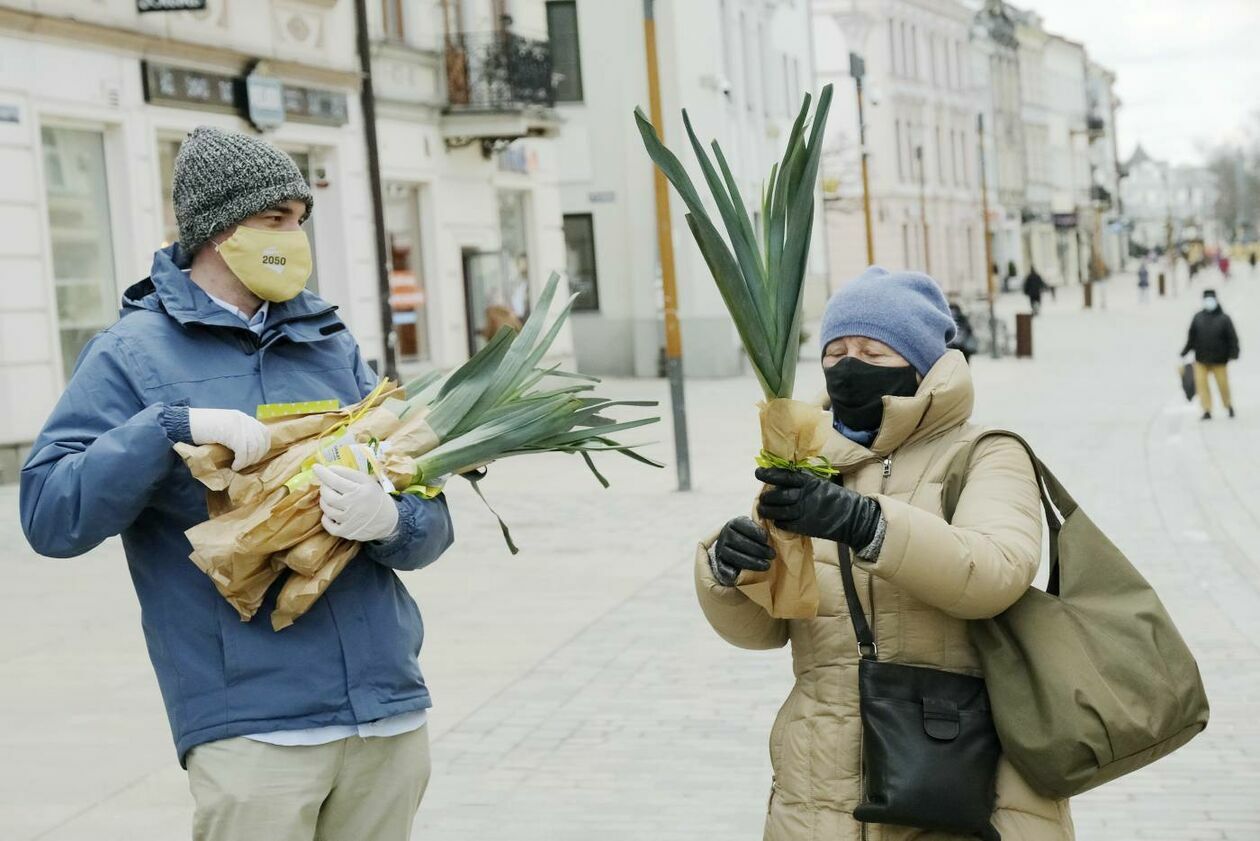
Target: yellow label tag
{"points": [[284, 410]]}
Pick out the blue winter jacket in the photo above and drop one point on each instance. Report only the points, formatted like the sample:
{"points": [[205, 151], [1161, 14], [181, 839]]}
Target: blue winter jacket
{"points": [[103, 465]]}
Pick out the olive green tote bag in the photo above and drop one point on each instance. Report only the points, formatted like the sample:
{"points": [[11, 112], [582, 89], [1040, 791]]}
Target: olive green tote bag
{"points": [[1088, 680]]}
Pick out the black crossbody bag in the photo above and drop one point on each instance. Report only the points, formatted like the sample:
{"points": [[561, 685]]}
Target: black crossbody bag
{"points": [[929, 748]]}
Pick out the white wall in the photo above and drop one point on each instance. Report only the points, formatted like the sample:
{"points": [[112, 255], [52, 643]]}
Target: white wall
{"points": [[607, 172], [920, 92]]}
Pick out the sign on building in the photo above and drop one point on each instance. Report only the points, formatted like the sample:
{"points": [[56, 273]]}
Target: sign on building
{"points": [[263, 100], [143, 6]]}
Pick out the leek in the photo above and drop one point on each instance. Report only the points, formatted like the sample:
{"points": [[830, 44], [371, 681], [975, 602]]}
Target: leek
{"points": [[761, 282]]}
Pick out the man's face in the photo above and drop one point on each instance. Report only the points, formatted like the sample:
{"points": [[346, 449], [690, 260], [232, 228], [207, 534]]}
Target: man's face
{"points": [[285, 216]]}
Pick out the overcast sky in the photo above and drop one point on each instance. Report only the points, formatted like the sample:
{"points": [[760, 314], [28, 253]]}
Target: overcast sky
{"points": [[1188, 71]]}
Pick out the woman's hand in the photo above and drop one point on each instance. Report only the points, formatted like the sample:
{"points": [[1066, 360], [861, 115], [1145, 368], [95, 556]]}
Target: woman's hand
{"points": [[741, 545], [805, 504]]}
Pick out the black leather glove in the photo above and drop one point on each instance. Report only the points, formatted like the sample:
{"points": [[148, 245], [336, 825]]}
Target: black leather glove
{"points": [[805, 504], [741, 545]]}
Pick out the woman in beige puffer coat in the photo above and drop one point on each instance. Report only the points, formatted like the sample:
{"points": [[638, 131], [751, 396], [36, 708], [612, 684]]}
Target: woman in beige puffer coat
{"points": [[919, 578]]}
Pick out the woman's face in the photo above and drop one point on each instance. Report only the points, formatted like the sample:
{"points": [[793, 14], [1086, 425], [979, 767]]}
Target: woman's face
{"points": [[871, 351]]}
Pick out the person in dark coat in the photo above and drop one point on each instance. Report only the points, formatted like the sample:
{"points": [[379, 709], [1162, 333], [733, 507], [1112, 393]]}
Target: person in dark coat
{"points": [[1214, 342], [965, 336], [1034, 286]]}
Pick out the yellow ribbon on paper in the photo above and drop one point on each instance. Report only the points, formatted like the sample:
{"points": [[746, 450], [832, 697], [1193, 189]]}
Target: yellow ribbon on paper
{"points": [[342, 454], [816, 465], [267, 411]]}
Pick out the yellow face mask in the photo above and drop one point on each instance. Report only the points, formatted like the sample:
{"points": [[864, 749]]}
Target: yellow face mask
{"points": [[274, 265]]}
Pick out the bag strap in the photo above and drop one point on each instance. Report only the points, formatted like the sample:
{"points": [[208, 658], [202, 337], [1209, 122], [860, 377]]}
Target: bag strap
{"points": [[1055, 500], [867, 648]]}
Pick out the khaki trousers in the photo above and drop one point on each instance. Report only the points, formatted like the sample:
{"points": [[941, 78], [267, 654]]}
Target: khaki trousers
{"points": [[350, 790], [1221, 374]]}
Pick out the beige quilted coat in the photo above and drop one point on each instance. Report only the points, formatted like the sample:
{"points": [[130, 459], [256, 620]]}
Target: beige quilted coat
{"points": [[929, 579]]}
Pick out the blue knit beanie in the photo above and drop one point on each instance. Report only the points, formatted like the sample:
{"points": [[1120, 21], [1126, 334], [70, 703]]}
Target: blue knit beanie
{"points": [[905, 310]]}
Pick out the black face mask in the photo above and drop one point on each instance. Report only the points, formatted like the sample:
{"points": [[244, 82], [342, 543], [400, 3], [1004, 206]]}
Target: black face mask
{"points": [[857, 390]]}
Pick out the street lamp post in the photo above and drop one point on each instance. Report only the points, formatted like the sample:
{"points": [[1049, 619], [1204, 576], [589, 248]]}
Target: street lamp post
{"points": [[988, 244], [665, 247], [857, 69]]}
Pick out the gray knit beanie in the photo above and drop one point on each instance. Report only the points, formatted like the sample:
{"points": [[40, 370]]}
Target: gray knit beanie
{"points": [[223, 177], [905, 310]]}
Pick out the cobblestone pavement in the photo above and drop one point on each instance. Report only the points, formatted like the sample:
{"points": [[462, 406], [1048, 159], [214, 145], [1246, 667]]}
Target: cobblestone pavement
{"points": [[579, 692]]}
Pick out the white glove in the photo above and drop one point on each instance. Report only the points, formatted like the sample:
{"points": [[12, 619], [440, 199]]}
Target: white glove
{"points": [[355, 505], [243, 435]]}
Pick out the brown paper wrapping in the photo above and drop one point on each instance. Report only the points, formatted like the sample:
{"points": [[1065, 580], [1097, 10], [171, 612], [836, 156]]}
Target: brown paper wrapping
{"points": [[258, 529], [795, 431]]}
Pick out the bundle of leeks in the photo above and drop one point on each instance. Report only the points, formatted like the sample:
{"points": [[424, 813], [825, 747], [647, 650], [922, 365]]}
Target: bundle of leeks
{"points": [[501, 403]]}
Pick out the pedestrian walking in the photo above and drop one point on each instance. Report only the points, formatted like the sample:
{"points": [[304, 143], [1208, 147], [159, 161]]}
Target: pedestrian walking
{"points": [[1251, 260], [965, 336], [1144, 283], [1222, 263], [1214, 343], [317, 731], [1034, 286], [899, 403]]}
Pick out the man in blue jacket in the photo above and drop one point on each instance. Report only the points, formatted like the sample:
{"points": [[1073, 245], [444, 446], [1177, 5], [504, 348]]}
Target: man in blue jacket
{"points": [[317, 731]]}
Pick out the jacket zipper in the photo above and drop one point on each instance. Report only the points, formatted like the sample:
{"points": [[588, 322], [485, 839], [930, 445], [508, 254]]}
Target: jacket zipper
{"points": [[886, 473]]}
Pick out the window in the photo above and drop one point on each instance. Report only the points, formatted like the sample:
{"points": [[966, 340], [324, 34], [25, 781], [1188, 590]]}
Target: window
{"points": [[763, 62], [905, 50], [579, 248], [892, 47], [901, 171], [789, 99], [940, 156], [932, 57], [408, 301], [953, 153], [81, 237], [392, 20], [914, 51], [750, 72], [966, 164], [566, 53]]}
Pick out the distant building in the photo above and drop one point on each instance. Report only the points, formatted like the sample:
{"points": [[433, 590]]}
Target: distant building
{"points": [[1169, 205], [995, 40], [922, 102]]}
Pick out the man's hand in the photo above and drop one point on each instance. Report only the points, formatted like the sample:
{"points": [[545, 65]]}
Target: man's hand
{"points": [[741, 545], [355, 505], [243, 435], [805, 504]]}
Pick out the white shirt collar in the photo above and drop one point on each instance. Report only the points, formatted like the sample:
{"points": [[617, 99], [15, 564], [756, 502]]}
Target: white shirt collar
{"points": [[254, 324]]}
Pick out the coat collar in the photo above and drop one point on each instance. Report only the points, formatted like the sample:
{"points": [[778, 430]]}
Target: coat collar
{"points": [[168, 289], [944, 400]]}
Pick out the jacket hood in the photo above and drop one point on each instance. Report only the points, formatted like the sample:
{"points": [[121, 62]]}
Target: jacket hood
{"points": [[944, 400], [168, 289]]}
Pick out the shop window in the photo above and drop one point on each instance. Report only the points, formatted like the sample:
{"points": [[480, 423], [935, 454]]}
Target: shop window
{"points": [[579, 246], [408, 301], [566, 53], [81, 237]]}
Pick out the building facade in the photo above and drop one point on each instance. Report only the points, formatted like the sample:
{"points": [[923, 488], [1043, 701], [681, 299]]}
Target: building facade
{"points": [[741, 82], [922, 101], [465, 122], [465, 90], [95, 99], [997, 71], [1169, 206]]}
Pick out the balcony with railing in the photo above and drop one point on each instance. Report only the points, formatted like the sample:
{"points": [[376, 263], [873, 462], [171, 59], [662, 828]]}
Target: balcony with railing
{"points": [[500, 87]]}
